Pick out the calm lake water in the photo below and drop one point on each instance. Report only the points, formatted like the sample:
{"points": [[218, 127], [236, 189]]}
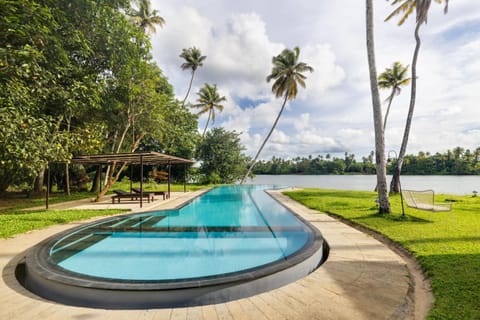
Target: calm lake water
{"points": [[460, 185]]}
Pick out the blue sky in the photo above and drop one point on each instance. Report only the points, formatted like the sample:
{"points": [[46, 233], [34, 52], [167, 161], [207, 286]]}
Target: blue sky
{"points": [[334, 113]]}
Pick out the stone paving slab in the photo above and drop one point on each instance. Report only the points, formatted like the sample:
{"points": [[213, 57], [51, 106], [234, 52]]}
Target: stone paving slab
{"points": [[362, 279]]}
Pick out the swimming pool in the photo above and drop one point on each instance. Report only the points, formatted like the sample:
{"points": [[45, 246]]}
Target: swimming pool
{"points": [[231, 242]]}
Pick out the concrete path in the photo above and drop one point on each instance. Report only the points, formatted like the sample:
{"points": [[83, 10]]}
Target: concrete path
{"points": [[362, 279]]}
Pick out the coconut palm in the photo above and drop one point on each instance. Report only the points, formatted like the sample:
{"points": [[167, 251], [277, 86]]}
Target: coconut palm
{"points": [[393, 78], [384, 201], [193, 59], [145, 17], [405, 8], [209, 100], [288, 74]]}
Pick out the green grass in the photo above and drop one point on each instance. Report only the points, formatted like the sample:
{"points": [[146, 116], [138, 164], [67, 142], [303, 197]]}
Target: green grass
{"points": [[14, 222], [447, 246]]}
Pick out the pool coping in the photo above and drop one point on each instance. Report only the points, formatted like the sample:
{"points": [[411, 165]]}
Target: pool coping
{"points": [[362, 279], [44, 277]]}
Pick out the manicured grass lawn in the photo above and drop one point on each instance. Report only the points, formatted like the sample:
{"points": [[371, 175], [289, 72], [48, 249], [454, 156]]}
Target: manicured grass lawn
{"points": [[447, 246], [14, 219], [13, 222]]}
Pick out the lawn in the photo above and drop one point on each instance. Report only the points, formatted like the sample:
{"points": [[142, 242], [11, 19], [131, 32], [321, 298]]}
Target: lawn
{"points": [[13, 222], [446, 245], [14, 219]]}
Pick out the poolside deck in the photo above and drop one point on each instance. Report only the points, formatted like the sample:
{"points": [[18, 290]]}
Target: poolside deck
{"points": [[362, 279]]}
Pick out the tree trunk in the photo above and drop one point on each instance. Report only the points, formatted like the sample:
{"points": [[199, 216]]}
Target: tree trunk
{"points": [[96, 180], [390, 99], [189, 87], [38, 185], [384, 202], [395, 183], [208, 120], [265, 141]]}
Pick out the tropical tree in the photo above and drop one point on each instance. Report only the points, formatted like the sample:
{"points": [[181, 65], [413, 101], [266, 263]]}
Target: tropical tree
{"points": [[384, 201], [208, 101], [145, 17], [287, 72], [222, 156], [405, 8], [193, 59], [393, 78]]}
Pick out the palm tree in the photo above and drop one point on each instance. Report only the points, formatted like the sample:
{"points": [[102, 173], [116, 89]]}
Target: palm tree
{"points": [[288, 74], [393, 78], [145, 17], [384, 201], [405, 8], [193, 59], [209, 100]]}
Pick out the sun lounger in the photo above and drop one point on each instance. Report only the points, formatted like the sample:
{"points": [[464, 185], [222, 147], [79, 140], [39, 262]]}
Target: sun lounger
{"points": [[121, 194], [157, 193]]}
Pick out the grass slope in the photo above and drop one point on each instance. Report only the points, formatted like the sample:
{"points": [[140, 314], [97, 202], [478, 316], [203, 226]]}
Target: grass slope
{"points": [[446, 245]]}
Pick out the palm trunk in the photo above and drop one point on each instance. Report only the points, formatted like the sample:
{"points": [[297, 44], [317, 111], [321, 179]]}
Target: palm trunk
{"points": [[390, 99], [384, 202], [189, 88], [395, 183], [208, 120], [265, 141]]}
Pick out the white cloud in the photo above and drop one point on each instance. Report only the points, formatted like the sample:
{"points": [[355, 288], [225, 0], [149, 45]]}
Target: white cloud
{"points": [[334, 112]]}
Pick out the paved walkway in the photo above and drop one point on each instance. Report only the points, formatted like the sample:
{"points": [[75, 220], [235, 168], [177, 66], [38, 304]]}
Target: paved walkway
{"points": [[362, 279]]}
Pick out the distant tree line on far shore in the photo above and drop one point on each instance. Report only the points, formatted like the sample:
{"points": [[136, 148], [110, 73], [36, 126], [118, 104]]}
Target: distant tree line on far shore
{"points": [[458, 161]]}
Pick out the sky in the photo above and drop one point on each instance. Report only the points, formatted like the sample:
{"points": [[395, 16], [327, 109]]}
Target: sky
{"points": [[334, 113]]}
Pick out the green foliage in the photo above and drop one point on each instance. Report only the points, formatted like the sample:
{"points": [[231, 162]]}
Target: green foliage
{"points": [[77, 77], [447, 247], [318, 165], [193, 59], [458, 161], [208, 100], [26, 145], [221, 154], [453, 162], [288, 72]]}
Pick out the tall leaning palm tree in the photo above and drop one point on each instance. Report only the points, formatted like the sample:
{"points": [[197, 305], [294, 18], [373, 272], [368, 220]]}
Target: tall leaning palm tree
{"points": [[393, 78], [288, 75], [384, 201], [208, 101], [145, 17], [193, 59], [405, 8]]}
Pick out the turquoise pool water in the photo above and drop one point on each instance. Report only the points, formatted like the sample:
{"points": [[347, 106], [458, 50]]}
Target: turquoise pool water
{"points": [[228, 230]]}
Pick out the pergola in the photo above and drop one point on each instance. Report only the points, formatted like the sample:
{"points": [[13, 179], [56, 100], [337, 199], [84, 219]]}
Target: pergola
{"points": [[141, 158]]}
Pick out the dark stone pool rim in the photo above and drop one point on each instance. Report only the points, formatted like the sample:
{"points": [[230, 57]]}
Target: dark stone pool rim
{"points": [[47, 279]]}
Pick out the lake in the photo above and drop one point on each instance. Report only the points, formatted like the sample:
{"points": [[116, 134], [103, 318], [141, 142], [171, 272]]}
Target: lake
{"points": [[460, 185]]}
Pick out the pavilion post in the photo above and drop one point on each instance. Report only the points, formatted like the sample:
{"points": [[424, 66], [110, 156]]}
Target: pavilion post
{"points": [[131, 176], [141, 181], [100, 182], [185, 178], [169, 174], [47, 193]]}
